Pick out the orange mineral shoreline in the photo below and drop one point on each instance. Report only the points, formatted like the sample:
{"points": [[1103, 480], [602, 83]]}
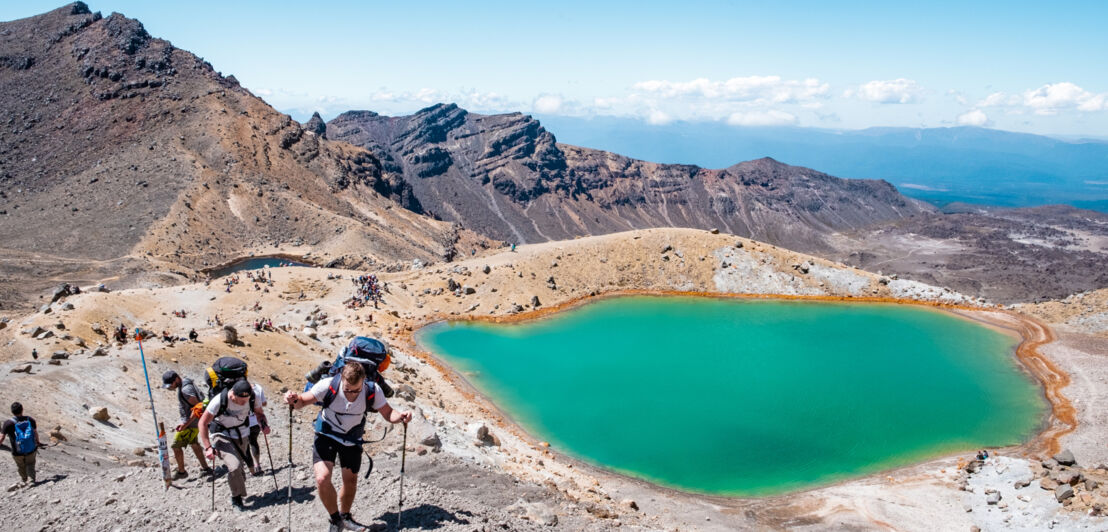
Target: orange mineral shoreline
{"points": [[1033, 333]]}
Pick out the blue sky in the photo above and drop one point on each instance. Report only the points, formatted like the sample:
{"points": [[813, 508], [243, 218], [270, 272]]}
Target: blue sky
{"points": [[1026, 66]]}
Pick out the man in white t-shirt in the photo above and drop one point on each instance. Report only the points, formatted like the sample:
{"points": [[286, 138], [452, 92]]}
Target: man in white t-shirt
{"points": [[339, 429], [225, 430]]}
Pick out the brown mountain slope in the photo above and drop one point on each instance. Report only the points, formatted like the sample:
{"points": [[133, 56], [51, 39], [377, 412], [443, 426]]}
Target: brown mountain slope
{"points": [[120, 152], [507, 177]]}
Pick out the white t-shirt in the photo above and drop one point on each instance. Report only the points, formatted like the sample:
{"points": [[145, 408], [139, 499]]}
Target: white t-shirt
{"points": [[344, 415], [259, 400], [233, 417]]}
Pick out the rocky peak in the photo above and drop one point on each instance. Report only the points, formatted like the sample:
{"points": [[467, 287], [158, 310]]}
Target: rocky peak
{"points": [[317, 125]]}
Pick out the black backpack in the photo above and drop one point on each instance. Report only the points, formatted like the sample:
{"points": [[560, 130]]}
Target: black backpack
{"points": [[224, 373]]}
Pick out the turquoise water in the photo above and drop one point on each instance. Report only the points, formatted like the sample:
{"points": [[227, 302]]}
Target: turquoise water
{"points": [[255, 264], [747, 397]]}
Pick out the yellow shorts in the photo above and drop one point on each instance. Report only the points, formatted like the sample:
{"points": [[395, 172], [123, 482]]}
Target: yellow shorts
{"points": [[185, 437]]}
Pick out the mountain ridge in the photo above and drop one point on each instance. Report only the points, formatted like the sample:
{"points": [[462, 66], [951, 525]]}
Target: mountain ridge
{"points": [[515, 182]]}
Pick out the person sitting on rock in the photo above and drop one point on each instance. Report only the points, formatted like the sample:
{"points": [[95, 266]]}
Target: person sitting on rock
{"points": [[347, 399], [188, 395], [23, 434], [193, 335], [224, 429]]}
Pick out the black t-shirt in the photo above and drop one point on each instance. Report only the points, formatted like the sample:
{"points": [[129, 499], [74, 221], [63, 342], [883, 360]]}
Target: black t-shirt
{"points": [[9, 430]]}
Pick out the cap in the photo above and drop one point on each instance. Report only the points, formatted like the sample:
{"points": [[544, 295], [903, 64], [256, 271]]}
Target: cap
{"points": [[168, 378], [242, 388]]}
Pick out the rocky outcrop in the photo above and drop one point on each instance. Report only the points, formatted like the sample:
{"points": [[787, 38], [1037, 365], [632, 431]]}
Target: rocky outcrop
{"points": [[507, 177], [317, 125]]}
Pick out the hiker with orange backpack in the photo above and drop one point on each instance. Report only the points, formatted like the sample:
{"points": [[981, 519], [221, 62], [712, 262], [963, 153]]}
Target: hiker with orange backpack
{"points": [[187, 430]]}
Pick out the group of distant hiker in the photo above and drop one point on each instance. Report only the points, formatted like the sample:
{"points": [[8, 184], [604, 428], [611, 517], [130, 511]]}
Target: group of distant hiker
{"points": [[367, 289], [227, 422]]}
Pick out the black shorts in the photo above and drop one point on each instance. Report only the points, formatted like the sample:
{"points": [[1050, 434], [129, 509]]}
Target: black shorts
{"points": [[326, 449]]}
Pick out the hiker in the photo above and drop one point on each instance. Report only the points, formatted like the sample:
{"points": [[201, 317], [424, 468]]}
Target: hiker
{"points": [[23, 432], [188, 396], [224, 431], [34, 353], [193, 335], [256, 428], [346, 399]]}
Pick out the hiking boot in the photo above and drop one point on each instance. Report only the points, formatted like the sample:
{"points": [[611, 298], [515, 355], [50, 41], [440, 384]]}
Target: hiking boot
{"points": [[178, 475], [335, 527], [348, 523], [207, 471], [236, 503], [257, 472]]}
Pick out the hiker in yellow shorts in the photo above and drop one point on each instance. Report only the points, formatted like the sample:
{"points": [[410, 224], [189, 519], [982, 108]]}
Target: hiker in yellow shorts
{"points": [[187, 432]]}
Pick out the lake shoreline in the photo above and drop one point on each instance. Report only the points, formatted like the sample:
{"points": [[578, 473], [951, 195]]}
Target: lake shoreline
{"points": [[1059, 420]]}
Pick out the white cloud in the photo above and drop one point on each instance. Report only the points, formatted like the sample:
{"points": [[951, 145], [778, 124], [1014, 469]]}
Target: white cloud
{"points": [[547, 104], [761, 118], [1052, 97], [975, 117], [658, 118], [757, 89], [898, 90], [1049, 99]]}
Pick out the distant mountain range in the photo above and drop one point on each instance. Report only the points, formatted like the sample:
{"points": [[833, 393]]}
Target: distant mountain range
{"points": [[505, 176], [939, 165]]}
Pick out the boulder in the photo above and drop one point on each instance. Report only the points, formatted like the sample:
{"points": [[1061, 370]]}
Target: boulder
{"points": [[714, 231], [406, 392], [432, 441], [486, 438], [99, 413], [97, 329], [452, 285], [1066, 476], [25, 368], [1065, 458], [1020, 484], [59, 355], [1063, 492], [539, 513], [57, 435], [1090, 484], [993, 497], [469, 290], [34, 332], [535, 302], [45, 309], [311, 332], [1048, 484], [44, 335], [100, 352], [666, 249], [230, 335], [67, 306], [1050, 463], [630, 503]]}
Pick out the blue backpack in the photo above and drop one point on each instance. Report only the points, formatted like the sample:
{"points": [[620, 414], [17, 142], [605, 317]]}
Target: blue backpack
{"points": [[371, 353], [24, 437]]}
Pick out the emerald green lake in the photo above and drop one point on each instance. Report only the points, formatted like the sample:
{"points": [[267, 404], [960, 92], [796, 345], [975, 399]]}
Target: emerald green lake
{"points": [[749, 397]]}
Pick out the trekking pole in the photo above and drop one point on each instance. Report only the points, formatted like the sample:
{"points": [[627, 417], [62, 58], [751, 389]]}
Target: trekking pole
{"points": [[213, 483], [289, 503], [163, 454], [272, 470], [403, 456]]}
